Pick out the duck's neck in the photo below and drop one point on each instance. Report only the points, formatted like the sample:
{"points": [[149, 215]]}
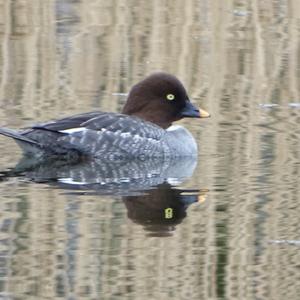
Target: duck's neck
{"points": [[152, 118]]}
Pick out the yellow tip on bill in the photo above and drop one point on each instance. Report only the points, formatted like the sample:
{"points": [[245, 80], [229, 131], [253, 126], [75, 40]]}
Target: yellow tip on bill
{"points": [[203, 113]]}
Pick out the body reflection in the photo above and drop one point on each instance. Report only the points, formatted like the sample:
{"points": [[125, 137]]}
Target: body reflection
{"points": [[148, 188]]}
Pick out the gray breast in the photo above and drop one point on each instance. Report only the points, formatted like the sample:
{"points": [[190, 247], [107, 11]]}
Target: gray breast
{"points": [[180, 141]]}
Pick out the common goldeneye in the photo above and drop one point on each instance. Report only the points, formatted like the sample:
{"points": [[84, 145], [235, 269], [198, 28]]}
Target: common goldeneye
{"points": [[143, 129]]}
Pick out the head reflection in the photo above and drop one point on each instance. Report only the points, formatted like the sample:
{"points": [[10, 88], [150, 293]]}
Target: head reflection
{"points": [[160, 209]]}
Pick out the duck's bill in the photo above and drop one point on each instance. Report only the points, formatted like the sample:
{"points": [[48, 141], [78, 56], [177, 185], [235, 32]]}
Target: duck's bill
{"points": [[191, 111], [203, 113]]}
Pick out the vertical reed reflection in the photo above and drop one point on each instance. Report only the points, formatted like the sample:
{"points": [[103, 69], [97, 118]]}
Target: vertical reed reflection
{"points": [[63, 57]]}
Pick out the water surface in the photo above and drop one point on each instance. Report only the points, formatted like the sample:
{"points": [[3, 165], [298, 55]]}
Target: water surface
{"points": [[228, 227]]}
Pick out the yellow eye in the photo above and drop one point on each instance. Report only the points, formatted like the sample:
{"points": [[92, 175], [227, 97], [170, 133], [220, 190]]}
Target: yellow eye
{"points": [[170, 97]]}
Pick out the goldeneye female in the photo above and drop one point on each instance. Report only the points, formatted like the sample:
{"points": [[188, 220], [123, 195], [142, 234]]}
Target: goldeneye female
{"points": [[143, 129]]}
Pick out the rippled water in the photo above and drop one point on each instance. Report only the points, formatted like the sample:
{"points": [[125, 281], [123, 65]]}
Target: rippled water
{"points": [[224, 228]]}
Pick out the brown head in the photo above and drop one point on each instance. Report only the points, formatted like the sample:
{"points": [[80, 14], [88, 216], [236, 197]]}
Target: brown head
{"points": [[161, 99]]}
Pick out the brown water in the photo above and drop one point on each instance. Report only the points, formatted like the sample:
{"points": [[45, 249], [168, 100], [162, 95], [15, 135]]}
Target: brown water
{"points": [[228, 230]]}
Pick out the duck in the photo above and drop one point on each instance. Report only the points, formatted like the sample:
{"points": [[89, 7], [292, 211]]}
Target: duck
{"points": [[144, 128]]}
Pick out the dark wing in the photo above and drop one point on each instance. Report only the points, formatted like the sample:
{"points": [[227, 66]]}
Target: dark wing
{"points": [[98, 121], [107, 135], [122, 124], [68, 122]]}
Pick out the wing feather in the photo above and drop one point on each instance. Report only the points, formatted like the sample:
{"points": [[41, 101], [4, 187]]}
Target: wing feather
{"points": [[68, 122], [123, 124]]}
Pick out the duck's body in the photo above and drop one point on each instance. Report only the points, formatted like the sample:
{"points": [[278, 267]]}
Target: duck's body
{"points": [[143, 130]]}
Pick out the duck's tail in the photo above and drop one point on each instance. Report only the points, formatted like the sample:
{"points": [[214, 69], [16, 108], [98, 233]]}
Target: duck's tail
{"points": [[17, 136], [28, 145]]}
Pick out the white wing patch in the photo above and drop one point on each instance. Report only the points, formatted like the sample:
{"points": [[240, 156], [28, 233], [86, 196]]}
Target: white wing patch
{"points": [[174, 127], [73, 130], [118, 135], [71, 181]]}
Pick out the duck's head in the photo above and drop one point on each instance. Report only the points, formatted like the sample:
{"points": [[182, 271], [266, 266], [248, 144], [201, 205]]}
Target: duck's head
{"points": [[161, 99]]}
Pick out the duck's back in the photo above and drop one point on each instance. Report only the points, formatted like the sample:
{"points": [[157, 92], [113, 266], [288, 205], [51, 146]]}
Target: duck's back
{"points": [[100, 135]]}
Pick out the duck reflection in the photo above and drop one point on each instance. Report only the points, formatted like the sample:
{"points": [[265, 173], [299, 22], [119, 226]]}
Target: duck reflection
{"points": [[147, 188], [162, 208]]}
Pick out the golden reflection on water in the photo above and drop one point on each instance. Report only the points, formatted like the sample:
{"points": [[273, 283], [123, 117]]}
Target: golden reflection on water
{"points": [[62, 57]]}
